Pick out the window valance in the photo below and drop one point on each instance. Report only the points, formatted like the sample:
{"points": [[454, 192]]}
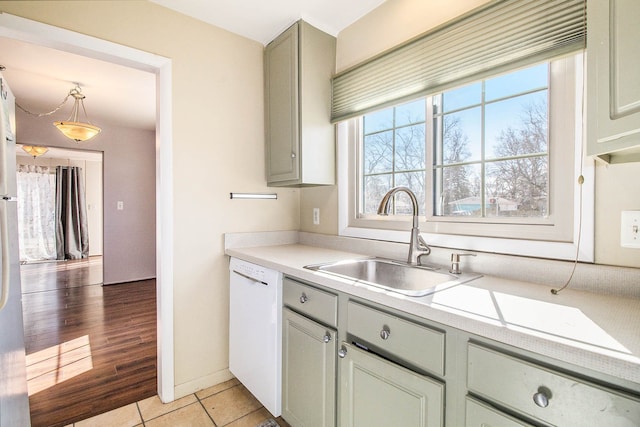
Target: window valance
{"points": [[502, 35]]}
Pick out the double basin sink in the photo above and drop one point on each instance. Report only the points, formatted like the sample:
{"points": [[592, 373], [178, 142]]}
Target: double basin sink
{"points": [[395, 276]]}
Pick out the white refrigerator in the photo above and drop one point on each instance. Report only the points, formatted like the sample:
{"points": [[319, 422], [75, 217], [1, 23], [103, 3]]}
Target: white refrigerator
{"points": [[14, 400]]}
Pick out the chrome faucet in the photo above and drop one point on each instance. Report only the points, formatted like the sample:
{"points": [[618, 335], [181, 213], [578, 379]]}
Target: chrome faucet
{"points": [[417, 245]]}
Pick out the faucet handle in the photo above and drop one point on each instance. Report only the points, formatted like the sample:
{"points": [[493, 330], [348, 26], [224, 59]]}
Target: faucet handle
{"points": [[422, 245], [455, 262]]}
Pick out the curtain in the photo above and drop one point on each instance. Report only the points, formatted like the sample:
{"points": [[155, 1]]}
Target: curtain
{"points": [[36, 210], [72, 230]]}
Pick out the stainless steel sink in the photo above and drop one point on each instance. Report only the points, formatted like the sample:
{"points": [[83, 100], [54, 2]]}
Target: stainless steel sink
{"points": [[394, 276]]}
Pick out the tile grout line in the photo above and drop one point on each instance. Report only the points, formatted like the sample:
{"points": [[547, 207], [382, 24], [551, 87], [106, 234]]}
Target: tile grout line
{"points": [[144, 422], [253, 412], [205, 409], [140, 413]]}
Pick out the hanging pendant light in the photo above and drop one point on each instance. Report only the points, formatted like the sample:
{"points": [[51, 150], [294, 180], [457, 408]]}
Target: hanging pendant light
{"points": [[73, 128], [34, 150]]}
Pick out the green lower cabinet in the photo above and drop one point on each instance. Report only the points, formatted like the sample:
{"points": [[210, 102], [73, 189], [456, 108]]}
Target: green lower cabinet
{"points": [[309, 372], [481, 415], [375, 392]]}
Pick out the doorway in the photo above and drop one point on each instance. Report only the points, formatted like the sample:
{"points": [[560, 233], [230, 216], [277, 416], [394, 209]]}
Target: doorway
{"points": [[23, 29]]}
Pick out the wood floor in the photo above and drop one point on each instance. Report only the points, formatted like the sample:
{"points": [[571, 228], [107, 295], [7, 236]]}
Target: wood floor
{"points": [[90, 349]]}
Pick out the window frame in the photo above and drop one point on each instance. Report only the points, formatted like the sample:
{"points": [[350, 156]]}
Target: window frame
{"points": [[553, 237]]}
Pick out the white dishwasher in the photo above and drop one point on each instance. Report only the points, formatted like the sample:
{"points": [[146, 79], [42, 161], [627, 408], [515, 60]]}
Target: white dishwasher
{"points": [[255, 331]]}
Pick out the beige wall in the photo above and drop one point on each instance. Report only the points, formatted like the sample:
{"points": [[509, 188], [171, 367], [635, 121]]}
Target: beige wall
{"points": [[399, 20], [218, 147]]}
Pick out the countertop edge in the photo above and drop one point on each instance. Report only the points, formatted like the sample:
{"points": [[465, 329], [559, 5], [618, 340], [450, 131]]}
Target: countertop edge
{"points": [[291, 258]]}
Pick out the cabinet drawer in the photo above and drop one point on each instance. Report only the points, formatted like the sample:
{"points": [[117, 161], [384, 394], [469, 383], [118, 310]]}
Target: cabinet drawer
{"points": [[479, 414], [416, 344], [547, 395], [313, 302]]}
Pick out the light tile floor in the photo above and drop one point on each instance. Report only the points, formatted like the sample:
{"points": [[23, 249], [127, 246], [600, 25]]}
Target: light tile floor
{"points": [[227, 404]]}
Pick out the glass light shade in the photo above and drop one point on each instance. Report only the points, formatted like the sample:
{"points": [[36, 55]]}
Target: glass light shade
{"points": [[34, 150], [77, 131]]}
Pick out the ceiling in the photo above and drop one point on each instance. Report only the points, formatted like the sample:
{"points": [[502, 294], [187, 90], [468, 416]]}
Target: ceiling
{"points": [[262, 20], [41, 77]]}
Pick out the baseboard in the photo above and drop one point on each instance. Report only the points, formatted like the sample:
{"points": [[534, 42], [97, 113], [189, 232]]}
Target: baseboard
{"points": [[128, 281], [201, 383]]}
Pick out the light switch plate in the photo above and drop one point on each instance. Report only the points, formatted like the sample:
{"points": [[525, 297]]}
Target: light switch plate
{"points": [[630, 229]]}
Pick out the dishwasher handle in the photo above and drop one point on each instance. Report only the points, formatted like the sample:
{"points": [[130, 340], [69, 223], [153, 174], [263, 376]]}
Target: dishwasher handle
{"points": [[253, 279]]}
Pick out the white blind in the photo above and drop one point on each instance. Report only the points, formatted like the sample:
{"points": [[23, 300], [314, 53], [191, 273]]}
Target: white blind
{"points": [[488, 40]]}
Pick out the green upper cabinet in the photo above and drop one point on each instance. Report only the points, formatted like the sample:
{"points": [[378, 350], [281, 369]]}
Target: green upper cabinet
{"points": [[300, 139], [613, 90]]}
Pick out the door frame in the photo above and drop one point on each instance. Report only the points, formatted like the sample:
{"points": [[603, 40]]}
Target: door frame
{"points": [[30, 31]]}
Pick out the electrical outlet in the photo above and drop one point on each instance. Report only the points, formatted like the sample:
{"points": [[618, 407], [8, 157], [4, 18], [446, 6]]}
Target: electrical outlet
{"points": [[316, 216], [120, 205], [630, 229]]}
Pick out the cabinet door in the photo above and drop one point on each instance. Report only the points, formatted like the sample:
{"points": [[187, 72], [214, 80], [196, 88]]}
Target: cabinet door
{"points": [[613, 83], [309, 372], [481, 415], [282, 115], [375, 392]]}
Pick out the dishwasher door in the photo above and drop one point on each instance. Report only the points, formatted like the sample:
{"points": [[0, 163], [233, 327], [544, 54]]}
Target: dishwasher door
{"points": [[255, 331]]}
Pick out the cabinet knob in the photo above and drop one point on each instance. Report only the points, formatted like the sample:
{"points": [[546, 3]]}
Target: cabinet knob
{"points": [[342, 353], [326, 338], [293, 155], [385, 333], [303, 298], [542, 397]]}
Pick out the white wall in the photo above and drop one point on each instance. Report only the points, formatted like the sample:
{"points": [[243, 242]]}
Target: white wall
{"points": [[396, 21], [218, 147], [94, 198]]}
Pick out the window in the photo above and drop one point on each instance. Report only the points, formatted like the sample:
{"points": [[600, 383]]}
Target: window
{"points": [[393, 154], [491, 147], [493, 164]]}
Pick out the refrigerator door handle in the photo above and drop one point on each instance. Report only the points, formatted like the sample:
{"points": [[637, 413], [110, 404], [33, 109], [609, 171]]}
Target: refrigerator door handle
{"points": [[6, 263]]}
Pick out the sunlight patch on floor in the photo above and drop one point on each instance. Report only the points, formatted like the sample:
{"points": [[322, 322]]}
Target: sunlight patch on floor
{"points": [[58, 363]]}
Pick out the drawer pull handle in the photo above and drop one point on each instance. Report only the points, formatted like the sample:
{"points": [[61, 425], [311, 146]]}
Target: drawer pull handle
{"points": [[326, 338], [385, 333], [342, 353], [303, 298], [541, 398]]}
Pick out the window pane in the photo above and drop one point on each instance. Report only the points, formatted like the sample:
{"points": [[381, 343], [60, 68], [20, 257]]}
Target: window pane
{"points": [[462, 97], [380, 120], [521, 81], [415, 182], [517, 187], [460, 195], [516, 126], [375, 187], [378, 153], [412, 112], [410, 146], [461, 135]]}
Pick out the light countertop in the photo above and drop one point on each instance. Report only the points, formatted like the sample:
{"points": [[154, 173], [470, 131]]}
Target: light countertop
{"points": [[595, 331]]}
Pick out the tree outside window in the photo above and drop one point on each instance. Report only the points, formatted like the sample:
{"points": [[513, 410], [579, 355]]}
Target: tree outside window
{"points": [[491, 151]]}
